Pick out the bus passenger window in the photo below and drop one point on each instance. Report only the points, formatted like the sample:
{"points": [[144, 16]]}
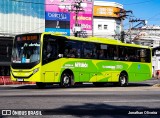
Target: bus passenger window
{"points": [[72, 49], [66, 52], [126, 57], [49, 50], [88, 55], [101, 54], [72, 53]]}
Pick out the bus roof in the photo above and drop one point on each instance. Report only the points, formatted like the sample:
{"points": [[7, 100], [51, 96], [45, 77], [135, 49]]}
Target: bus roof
{"points": [[105, 41], [98, 40]]}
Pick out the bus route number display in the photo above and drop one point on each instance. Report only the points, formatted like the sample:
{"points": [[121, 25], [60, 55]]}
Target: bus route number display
{"points": [[27, 38]]}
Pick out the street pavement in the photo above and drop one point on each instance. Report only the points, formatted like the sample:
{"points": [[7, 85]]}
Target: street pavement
{"points": [[136, 100]]}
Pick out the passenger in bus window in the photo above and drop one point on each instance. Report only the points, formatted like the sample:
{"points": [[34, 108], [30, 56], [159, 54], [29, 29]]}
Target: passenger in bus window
{"points": [[35, 56], [137, 58], [131, 57], [88, 55], [94, 56], [72, 53], [79, 53], [101, 54], [115, 55], [49, 50], [66, 52], [75, 53], [126, 57]]}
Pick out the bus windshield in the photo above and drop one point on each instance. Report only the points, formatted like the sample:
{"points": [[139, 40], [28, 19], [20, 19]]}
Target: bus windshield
{"points": [[26, 49]]}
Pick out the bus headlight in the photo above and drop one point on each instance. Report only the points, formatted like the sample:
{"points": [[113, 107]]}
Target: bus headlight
{"points": [[35, 70]]}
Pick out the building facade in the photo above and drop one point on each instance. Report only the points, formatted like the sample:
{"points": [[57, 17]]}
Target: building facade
{"points": [[149, 36], [69, 17], [106, 19], [28, 16], [146, 35], [17, 17]]}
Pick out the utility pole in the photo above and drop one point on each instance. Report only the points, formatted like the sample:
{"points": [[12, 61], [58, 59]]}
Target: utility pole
{"points": [[78, 8], [131, 21], [130, 30], [143, 22], [122, 15]]}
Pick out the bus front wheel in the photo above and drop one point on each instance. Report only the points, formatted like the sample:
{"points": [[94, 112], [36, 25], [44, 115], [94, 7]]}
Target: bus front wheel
{"points": [[66, 80], [40, 85], [123, 79]]}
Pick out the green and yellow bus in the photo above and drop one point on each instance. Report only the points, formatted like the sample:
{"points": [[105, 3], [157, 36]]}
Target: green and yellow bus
{"points": [[48, 58]]}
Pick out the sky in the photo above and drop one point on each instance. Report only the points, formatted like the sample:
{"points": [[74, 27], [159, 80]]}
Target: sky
{"points": [[142, 9]]}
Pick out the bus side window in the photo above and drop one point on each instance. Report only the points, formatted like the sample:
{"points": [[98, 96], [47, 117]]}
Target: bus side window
{"points": [[66, 52], [101, 54], [148, 56], [145, 55], [50, 49], [72, 53], [112, 52], [72, 49], [88, 49]]}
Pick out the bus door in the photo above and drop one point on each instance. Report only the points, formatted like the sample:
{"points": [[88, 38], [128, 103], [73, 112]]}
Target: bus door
{"points": [[105, 64], [49, 55], [72, 54], [141, 59], [88, 67]]}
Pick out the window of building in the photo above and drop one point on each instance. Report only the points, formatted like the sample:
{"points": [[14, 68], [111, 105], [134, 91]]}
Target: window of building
{"points": [[118, 29], [105, 27], [99, 26]]}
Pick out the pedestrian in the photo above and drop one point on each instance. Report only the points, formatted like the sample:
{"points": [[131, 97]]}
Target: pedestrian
{"points": [[157, 74]]}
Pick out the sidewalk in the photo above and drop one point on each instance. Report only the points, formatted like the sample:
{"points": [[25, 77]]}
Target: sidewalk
{"points": [[6, 80]]}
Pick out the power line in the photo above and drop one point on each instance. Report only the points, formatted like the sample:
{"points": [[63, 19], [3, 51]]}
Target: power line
{"points": [[154, 16]]}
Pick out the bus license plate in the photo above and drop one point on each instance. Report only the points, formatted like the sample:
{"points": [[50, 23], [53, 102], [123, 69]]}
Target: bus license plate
{"points": [[20, 80]]}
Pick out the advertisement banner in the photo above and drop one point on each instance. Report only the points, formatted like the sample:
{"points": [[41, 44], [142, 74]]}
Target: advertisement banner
{"points": [[58, 16], [64, 10], [57, 24], [62, 31], [66, 5], [106, 11], [85, 20]]}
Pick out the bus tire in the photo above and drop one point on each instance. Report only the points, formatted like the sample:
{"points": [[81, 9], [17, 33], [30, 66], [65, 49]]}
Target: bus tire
{"points": [[40, 85], [66, 80], [123, 80]]}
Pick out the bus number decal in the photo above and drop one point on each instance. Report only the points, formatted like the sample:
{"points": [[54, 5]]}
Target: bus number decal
{"points": [[81, 64]]}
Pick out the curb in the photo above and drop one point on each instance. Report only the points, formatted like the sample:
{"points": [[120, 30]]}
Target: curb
{"points": [[156, 85]]}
